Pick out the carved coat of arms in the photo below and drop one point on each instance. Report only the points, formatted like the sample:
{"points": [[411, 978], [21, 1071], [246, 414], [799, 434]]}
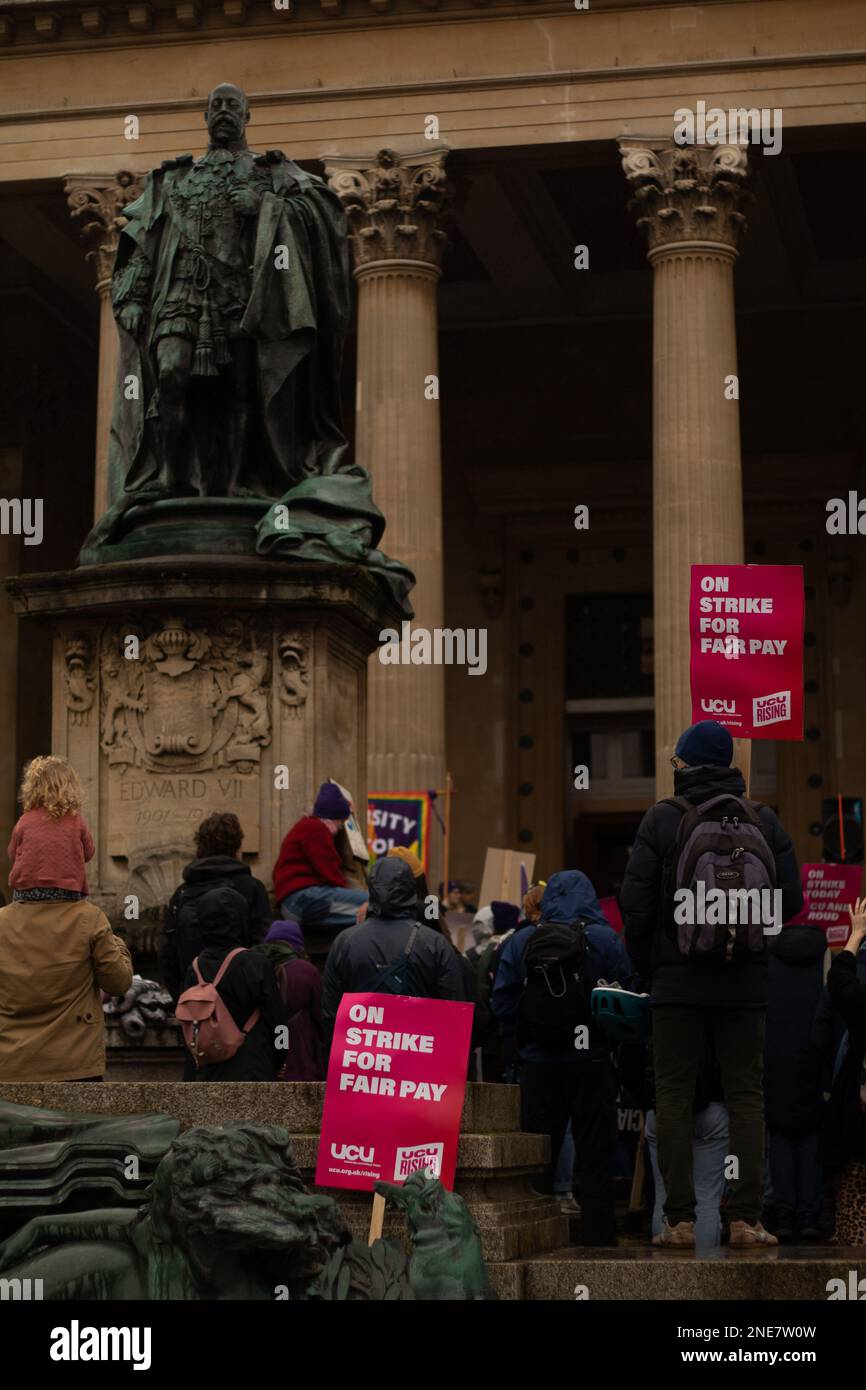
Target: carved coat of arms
{"points": [[182, 698]]}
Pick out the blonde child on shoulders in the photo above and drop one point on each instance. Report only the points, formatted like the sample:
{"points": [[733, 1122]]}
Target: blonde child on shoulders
{"points": [[50, 843]]}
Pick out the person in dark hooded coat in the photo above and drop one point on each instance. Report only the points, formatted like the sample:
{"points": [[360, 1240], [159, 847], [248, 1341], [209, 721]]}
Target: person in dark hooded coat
{"points": [[360, 953], [248, 984], [576, 1084], [792, 1077], [218, 841]]}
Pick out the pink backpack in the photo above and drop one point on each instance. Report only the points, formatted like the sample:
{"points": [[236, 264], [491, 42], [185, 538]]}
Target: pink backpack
{"points": [[209, 1030]]}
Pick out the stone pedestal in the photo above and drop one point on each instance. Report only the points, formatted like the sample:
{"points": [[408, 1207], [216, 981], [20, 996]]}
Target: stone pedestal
{"points": [[193, 685]]}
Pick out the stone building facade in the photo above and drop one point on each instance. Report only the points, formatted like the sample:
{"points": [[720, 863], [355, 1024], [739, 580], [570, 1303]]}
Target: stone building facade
{"points": [[551, 295]]}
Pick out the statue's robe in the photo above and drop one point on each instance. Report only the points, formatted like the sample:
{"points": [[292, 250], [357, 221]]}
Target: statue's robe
{"points": [[297, 318]]}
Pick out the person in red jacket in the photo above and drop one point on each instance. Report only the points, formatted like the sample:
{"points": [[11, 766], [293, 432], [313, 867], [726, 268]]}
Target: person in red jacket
{"points": [[309, 883]]}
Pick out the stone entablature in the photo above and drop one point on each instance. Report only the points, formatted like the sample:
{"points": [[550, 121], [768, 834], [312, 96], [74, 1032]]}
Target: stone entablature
{"points": [[34, 22]]}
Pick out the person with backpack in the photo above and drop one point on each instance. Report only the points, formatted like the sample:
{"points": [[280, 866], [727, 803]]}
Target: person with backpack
{"points": [[218, 841], [390, 952], [706, 975], [541, 996], [301, 988], [798, 960], [230, 1008]]}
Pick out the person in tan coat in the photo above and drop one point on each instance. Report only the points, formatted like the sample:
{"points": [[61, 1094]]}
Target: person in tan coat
{"points": [[55, 957]]}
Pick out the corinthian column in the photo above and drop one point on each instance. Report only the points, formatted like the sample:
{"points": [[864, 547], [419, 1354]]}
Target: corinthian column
{"points": [[396, 206], [688, 202], [100, 200]]}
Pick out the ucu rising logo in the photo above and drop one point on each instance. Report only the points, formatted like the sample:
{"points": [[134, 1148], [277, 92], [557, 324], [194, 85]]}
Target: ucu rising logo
{"points": [[352, 1153], [719, 706]]}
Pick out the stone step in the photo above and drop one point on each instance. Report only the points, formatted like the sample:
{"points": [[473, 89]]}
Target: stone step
{"points": [[297, 1105], [782, 1272]]}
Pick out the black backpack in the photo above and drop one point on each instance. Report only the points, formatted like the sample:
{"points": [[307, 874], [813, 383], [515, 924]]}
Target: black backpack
{"points": [[182, 924], [393, 978], [555, 1000]]}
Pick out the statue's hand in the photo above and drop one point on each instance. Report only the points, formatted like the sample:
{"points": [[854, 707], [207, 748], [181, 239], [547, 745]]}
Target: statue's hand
{"points": [[244, 199], [131, 317]]}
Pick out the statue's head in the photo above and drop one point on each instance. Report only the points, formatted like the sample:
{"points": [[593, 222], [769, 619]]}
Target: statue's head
{"points": [[226, 115], [235, 1192]]}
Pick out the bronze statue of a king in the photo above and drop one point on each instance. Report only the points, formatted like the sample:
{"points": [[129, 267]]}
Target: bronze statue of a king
{"points": [[231, 296]]}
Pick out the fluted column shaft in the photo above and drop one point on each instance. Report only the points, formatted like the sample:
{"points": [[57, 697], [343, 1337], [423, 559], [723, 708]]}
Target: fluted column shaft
{"points": [[697, 476], [397, 205], [109, 351], [688, 201], [398, 440]]}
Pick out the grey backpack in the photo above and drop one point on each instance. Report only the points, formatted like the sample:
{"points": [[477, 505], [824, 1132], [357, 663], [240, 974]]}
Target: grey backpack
{"points": [[721, 844]]}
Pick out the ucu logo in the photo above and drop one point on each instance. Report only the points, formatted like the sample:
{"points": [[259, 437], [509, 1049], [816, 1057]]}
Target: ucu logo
{"points": [[352, 1153], [719, 706]]}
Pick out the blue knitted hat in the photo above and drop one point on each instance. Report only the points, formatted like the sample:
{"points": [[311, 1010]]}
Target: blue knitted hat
{"points": [[706, 744]]}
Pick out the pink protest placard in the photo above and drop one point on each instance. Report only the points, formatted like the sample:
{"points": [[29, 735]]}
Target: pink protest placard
{"points": [[746, 629], [831, 889], [396, 1081]]}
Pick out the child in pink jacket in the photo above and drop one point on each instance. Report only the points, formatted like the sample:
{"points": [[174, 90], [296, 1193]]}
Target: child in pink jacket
{"points": [[50, 842]]}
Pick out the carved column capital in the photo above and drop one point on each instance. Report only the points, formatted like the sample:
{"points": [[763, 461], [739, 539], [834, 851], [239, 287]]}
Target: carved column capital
{"points": [[687, 193], [397, 204], [100, 200]]}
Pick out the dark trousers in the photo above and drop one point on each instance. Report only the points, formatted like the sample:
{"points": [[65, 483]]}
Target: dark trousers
{"points": [[678, 1046], [553, 1093], [796, 1177]]}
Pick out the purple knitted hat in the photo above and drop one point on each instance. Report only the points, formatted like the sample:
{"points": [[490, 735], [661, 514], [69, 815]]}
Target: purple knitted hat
{"points": [[288, 930], [331, 803]]}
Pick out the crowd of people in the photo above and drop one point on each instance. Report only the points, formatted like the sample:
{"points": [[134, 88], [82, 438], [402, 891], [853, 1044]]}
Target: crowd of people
{"points": [[746, 1055]]}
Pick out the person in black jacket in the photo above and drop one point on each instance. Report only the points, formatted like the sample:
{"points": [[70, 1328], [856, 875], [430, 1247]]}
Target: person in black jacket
{"points": [[730, 998], [218, 843], [249, 983], [792, 1078], [843, 1137], [360, 953]]}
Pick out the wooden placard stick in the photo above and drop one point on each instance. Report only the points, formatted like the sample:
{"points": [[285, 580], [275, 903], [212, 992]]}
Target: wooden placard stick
{"points": [[377, 1218], [449, 791]]}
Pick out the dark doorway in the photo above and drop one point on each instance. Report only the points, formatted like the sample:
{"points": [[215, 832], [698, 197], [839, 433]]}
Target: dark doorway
{"points": [[600, 846]]}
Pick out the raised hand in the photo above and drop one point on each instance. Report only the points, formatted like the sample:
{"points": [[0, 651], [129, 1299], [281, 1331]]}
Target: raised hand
{"points": [[857, 913]]}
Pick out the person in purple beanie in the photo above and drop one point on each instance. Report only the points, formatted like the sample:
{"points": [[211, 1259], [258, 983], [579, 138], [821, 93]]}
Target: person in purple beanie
{"points": [[300, 985], [309, 882]]}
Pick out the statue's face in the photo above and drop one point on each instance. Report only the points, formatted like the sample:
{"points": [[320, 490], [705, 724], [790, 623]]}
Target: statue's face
{"points": [[226, 115]]}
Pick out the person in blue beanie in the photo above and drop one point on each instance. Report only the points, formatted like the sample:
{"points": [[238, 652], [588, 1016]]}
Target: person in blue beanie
{"points": [[728, 997], [541, 997]]}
